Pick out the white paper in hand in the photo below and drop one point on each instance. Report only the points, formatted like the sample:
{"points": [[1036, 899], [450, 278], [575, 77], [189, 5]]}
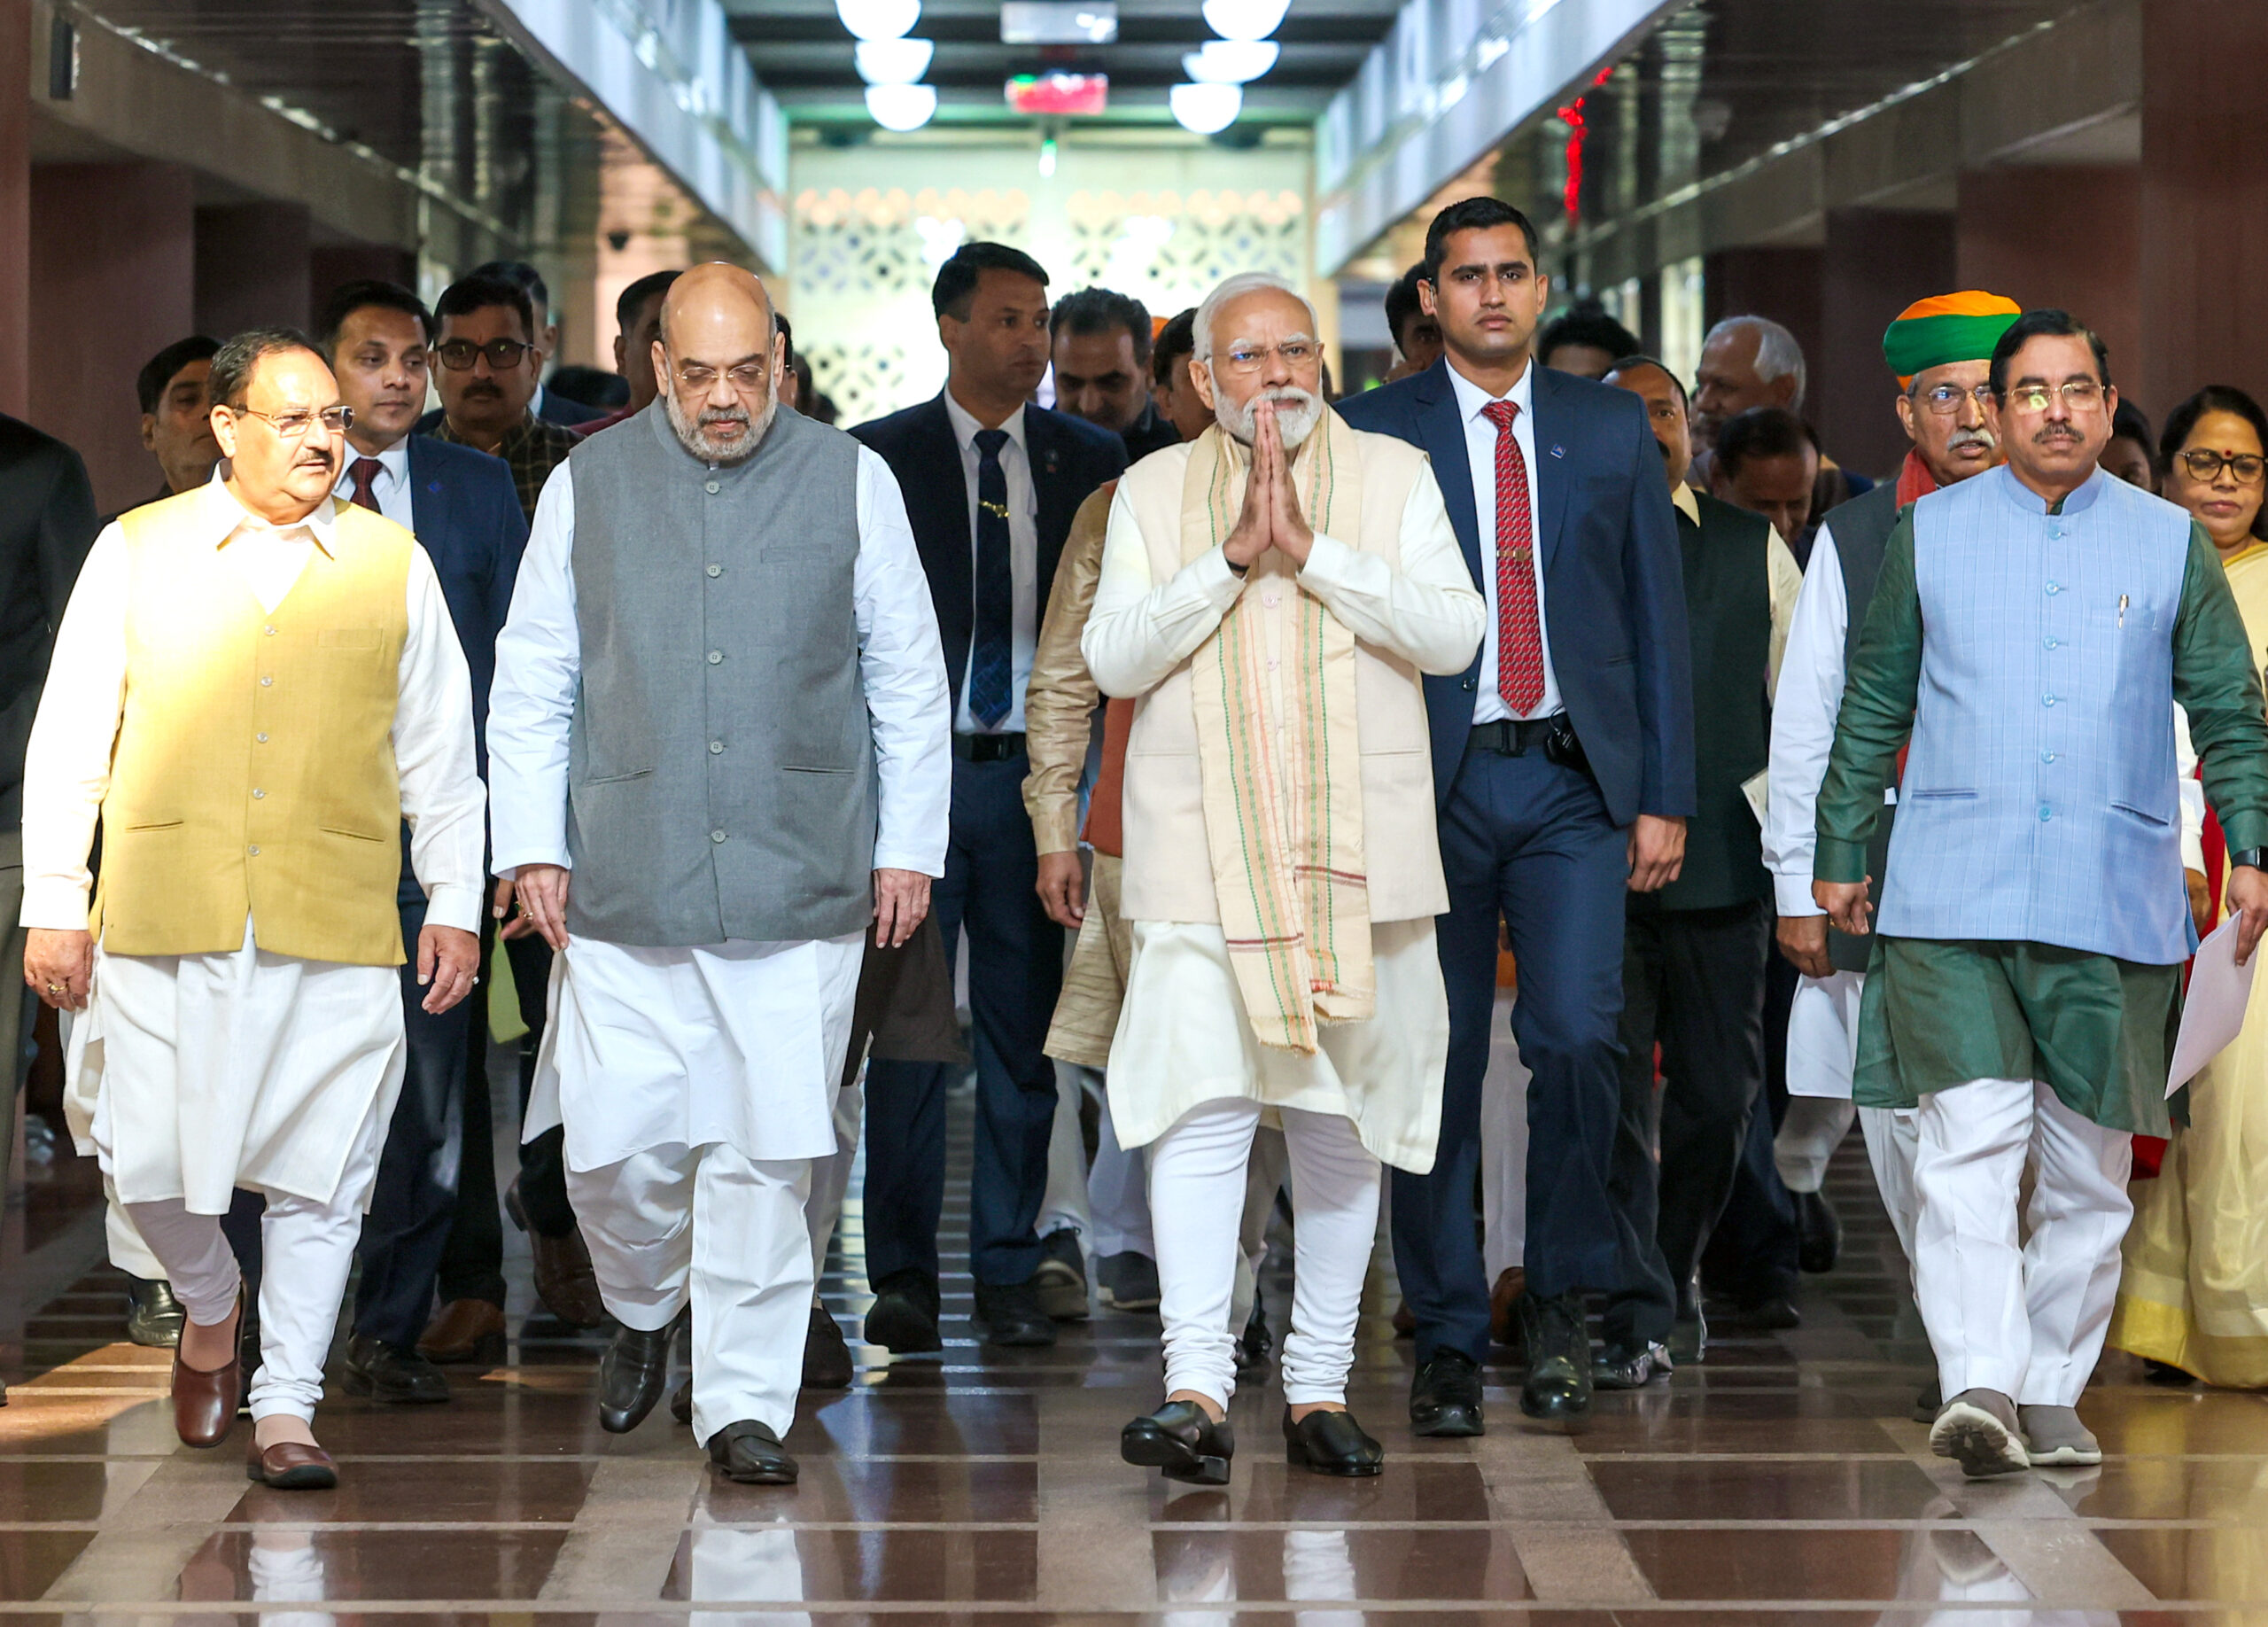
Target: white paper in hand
{"points": [[2219, 990]]}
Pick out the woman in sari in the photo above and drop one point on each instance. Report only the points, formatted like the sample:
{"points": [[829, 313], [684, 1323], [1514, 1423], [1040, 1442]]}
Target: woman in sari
{"points": [[2194, 1300]]}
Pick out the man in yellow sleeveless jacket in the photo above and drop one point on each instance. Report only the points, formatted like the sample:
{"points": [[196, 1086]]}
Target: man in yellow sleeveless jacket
{"points": [[253, 687]]}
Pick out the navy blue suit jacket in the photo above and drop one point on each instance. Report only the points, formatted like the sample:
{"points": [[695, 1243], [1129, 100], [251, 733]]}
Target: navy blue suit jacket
{"points": [[466, 513], [1070, 459], [1614, 590]]}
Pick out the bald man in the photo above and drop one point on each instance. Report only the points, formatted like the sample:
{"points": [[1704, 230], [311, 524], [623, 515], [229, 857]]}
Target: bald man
{"points": [[719, 746]]}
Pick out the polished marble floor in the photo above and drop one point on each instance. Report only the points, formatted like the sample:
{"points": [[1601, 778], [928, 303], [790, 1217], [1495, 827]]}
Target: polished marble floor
{"points": [[1782, 1481]]}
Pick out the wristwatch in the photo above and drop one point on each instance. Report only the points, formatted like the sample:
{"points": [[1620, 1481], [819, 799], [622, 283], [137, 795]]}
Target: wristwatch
{"points": [[2257, 858]]}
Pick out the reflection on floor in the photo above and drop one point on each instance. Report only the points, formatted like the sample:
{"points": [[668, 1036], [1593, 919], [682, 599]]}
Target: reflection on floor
{"points": [[1780, 1482]]}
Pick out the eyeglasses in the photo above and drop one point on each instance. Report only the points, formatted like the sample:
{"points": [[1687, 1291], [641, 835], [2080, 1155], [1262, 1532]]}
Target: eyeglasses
{"points": [[2080, 395], [2205, 463], [1252, 358], [745, 377], [457, 354], [1945, 399], [295, 425]]}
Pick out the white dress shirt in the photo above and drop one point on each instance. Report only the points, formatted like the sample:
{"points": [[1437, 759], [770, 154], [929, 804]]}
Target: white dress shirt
{"points": [[390, 485], [539, 662], [1481, 453], [1023, 559], [67, 767]]}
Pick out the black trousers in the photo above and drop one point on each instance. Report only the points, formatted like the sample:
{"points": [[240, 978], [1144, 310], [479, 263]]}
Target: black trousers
{"points": [[1693, 982], [1753, 1253], [414, 1201], [472, 1261]]}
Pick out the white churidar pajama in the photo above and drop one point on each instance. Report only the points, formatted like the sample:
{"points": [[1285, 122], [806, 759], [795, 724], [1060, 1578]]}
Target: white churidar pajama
{"points": [[2025, 1319], [1196, 1198], [1104, 1202], [1503, 1150], [699, 1085], [191, 1075]]}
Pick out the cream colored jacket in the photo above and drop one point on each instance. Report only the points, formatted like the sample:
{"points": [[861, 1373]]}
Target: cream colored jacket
{"points": [[1400, 588]]}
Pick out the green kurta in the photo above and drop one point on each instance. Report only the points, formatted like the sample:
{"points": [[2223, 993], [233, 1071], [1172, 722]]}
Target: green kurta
{"points": [[1935, 1014]]}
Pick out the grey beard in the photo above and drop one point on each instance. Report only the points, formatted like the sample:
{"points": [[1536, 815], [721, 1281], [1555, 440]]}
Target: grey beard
{"points": [[1297, 413], [694, 439]]}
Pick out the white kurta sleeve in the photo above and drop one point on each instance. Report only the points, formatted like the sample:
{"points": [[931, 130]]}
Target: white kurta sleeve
{"points": [[1139, 630], [532, 702], [66, 767], [442, 795], [2192, 793], [902, 666], [1428, 611], [1804, 707]]}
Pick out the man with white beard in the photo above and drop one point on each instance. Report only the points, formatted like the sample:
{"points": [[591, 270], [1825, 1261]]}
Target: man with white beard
{"points": [[1269, 593], [720, 709]]}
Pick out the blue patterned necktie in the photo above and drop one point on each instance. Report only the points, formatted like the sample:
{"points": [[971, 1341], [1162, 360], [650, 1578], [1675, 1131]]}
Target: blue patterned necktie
{"points": [[992, 664]]}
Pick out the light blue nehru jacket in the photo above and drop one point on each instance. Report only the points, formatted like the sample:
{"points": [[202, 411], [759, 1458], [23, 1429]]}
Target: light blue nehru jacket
{"points": [[2038, 801]]}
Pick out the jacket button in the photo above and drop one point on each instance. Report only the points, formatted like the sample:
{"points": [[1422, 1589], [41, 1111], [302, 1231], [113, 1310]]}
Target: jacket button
{"points": [[716, 748], [266, 683], [262, 738], [716, 836], [711, 488], [2047, 757], [716, 570], [254, 852], [257, 793], [2046, 814], [716, 658], [2046, 700], [270, 632], [1470, 685]]}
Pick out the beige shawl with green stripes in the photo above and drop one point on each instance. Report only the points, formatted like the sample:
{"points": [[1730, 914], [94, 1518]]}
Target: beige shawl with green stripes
{"points": [[1279, 756]]}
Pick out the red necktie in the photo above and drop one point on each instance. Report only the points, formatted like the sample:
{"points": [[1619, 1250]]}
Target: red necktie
{"points": [[364, 472], [1519, 640]]}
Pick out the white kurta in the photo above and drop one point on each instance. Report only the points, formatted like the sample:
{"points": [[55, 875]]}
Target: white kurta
{"points": [[194, 1074], [1182, 1036], [735, 1043]]}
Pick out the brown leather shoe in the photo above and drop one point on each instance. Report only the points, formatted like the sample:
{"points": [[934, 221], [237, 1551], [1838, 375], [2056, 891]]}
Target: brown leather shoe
{"points": [[1503, 1305], [206, 1400], [563, 1277], [288, 1466], [464, 1332]]}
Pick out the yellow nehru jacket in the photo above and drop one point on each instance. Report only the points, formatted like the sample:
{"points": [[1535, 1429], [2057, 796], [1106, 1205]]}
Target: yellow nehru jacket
{"points": [[253, 773]]}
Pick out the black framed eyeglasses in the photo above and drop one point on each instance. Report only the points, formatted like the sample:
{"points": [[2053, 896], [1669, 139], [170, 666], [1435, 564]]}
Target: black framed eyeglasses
{"points": [[503, 355], [2203, 463]]}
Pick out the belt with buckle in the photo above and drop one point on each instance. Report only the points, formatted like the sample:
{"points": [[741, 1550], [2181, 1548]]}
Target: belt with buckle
{"points": [[987, 748], [1514, 736]]}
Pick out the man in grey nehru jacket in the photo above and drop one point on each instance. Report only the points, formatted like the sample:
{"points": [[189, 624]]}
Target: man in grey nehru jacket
{"points": [[717, 743]]}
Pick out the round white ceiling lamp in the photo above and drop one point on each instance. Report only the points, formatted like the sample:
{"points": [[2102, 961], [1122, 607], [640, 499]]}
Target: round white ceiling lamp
{"points": [[1242, 19], [901, 107], [1230, 62], [878, 19], [1203, 110], [893, 62]]}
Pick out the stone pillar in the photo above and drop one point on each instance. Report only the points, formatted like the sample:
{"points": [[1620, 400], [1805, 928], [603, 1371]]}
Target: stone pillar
{"points": [[15, 203], [2068, 236], [253, 267], [111, 259], [2204, 199], [1877, 262]]}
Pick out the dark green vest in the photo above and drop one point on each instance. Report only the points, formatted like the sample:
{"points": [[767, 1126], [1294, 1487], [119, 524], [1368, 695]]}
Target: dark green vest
{"points": [[1728, 610], [1861, 529]]}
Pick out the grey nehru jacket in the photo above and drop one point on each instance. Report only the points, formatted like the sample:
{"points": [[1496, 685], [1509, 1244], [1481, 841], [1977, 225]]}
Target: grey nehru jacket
{"points": [[721, 775]]}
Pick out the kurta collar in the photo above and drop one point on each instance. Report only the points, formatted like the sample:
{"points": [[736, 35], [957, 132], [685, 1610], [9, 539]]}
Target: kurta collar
{"points": [[1471, 399], [222, 517], [966, 426], [2079, 502]]}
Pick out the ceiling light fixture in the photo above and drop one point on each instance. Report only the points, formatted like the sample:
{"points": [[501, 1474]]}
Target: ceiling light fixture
{"points": [[1204, 110], [1230, 62], [893, 62], [1245, 19], [878, 19], [901, 107]]}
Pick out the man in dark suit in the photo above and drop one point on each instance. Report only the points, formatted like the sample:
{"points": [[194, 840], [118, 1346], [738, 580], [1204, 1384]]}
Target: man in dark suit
{"points": [[1564, 764], [990, 484], [465, 510], [1102, 342]]}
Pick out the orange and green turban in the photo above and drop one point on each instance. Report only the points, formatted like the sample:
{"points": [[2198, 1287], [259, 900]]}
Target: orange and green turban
{"points": [[1945, 327]]}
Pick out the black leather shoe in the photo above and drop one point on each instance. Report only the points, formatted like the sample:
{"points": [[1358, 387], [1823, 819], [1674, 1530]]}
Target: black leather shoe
{"points": [[1819, 1231], [1181, 1441], [1010, 1316], [2166, 1374], [1445, 1396], [153, 1316], [1331, 1444], [1255, 1346], [1618, 1369], [903, 1320], [751, 1454], [632, 1376], [1559, 1382], [1689, 1334], [390, 1373], [681, 1401], [826, 1358]]}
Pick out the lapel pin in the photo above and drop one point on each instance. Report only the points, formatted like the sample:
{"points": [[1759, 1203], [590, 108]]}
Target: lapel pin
{"points": [[1559, 451]]}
